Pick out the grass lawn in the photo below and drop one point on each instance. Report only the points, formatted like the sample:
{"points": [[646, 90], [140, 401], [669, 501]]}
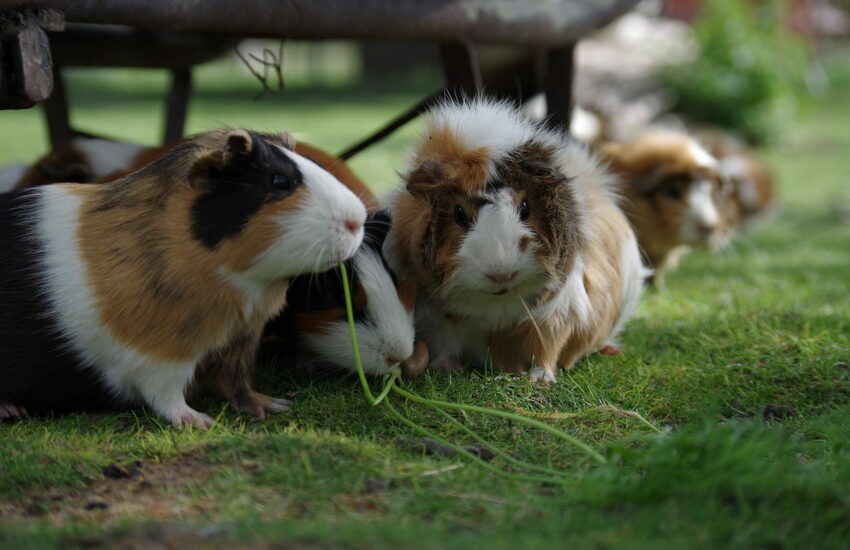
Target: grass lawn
{"points": [[743, 361]]}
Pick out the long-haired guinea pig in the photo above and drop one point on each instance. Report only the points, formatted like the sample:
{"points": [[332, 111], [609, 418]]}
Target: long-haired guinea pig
{"points": [[676, 196], [87, 159], [116, 294], [514, 238], [314, 326]]}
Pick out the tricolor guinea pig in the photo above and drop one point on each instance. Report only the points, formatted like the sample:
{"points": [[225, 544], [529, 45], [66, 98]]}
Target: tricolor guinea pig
{"points": [[117, 294], [513, 236], [676, 196], [314, 326]]}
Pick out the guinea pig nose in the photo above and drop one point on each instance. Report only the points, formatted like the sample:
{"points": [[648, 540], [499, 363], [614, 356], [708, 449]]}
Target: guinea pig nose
{"points": [[706, 229], [352, 226], [392, 360], [502, 277]]}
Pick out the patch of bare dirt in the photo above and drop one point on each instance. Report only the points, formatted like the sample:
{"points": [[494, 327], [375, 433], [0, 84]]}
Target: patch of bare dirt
{"points": [[139, 490]]}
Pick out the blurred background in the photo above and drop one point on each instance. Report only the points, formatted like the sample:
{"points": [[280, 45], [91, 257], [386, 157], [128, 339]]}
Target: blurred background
{"points": [[761, 69]]}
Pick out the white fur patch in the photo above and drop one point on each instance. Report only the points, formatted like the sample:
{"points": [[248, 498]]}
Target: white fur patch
{"points": [[572, 299], [702, 157], [313, 236], [492, 248], [633, 273], [489, 123], [700, 217], [106, 156], [388, 333], [75, 311]]}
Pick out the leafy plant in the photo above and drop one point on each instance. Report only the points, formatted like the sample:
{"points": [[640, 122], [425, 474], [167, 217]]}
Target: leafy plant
{"points": [[748, 75]]}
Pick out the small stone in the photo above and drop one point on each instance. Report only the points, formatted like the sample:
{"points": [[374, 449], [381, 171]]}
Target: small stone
{"points": [[375, 485], [776, 412], [114, 471], [481, 452]]}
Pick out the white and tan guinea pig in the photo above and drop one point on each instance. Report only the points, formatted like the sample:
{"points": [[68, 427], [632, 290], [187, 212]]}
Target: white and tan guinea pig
{"points": [[313, 330], [498, 213], [676, 196], [116, 294]]}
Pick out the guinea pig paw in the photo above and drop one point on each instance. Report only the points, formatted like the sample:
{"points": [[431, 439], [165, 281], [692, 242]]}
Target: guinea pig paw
{"points": [[542, 376], [258, 404], [9, 411], [191, 417], [608, 349], [449, 363]]}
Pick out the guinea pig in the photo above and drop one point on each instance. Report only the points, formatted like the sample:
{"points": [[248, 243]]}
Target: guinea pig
{"points": [[513, 235], [85, 159], [117, 294], [314, 325], [676, 196]]}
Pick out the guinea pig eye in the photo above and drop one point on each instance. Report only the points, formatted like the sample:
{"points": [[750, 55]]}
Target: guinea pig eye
{"points": [[524, 210], [282, 182], [673, 193], [460, 217]]}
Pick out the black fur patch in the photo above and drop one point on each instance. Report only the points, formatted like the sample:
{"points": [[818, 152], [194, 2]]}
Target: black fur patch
{"points": [[236, 190], [37, 370], [324, 291]]}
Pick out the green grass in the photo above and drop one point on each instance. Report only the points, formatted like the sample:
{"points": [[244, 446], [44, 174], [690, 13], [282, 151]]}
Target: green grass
{"points": [[765, 323]]}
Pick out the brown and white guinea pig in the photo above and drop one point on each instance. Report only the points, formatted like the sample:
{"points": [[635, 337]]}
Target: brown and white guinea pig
{"points": [[676, 196], [314, 326], [753, 187], [496, 210], [116, 294], [87, 159]]}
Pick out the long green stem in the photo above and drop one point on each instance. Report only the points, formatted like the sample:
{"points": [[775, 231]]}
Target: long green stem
{"points": [[496, 450], [353, 332], [511, 416], [461, 451]]}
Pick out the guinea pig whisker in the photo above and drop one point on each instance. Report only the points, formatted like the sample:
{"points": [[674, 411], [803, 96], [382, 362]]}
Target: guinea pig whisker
{"points": [[530, 316]]}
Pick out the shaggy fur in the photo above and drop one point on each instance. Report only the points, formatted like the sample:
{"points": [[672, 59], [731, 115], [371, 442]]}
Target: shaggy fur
{"points": [[676, 196], [496, 211]]}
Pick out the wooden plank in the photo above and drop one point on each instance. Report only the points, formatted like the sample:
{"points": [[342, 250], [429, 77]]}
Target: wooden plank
{"points": [[27, 75], [177, 104], [550, 23], [55, 110], [558, 86]]}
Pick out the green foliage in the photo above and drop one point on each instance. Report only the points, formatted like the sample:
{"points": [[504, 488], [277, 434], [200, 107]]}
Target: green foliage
{"points": [[748, 75]]}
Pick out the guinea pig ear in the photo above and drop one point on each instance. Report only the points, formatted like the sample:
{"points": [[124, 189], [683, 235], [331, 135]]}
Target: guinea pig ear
{"points": [[76, 172], [286, 140], [377, 228], [238, 143], [424, 178]]}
